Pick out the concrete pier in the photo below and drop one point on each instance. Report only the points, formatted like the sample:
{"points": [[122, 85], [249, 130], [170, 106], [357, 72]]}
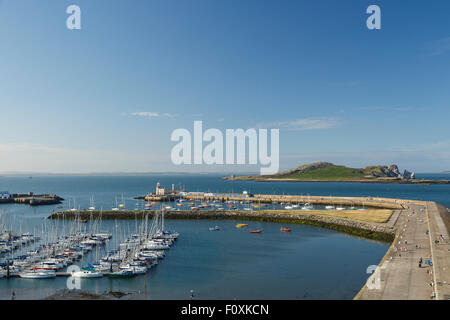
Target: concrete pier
{"points": [[399, 277]]}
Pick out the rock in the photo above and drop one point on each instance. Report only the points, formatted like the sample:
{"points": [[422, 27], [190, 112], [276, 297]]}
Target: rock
{"points": [[393, 170], [408, 175]]}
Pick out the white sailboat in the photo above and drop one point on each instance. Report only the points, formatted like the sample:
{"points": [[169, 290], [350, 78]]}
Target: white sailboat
{"points": [[330, 206], [92, 206], [37, 274], [87, 274], [308, 206], [115, 208]]}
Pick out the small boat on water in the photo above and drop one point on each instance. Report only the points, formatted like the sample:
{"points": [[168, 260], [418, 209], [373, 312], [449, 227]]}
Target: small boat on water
{"points": [[285, 230], [83, 221], [216, 228], [255, 231], [121, 274], [37, 274], [241, 225], [92, 206], [308, 206], [87, 274]]}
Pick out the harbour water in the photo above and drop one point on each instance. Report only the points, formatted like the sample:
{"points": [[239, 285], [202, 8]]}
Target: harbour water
{"points": [[308, 263]]}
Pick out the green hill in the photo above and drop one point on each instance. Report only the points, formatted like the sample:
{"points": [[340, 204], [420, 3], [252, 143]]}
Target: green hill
{"points": [[325, 171], [329, 171]]}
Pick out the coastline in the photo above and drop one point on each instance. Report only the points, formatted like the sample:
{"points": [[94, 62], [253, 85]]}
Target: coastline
{"points": [[381, 181]]}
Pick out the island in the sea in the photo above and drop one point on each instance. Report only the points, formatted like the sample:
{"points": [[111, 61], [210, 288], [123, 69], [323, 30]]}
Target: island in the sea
{"points": [[329, 172]]}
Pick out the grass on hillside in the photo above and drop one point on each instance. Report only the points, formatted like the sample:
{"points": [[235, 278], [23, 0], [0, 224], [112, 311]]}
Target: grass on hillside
{"points": [[331, 173]]}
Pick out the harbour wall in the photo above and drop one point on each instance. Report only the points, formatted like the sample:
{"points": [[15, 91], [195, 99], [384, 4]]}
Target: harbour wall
{"points": [[32, 199], [373, 231]]}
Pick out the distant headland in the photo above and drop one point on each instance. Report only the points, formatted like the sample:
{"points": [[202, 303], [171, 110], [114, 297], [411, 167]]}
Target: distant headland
{"points": [[329, 172]]}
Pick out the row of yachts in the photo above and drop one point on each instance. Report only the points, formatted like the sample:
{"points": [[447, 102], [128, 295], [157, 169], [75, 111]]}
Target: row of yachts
{"points": [[248, 206], [136, 255], [44, 260], [9, 243]]}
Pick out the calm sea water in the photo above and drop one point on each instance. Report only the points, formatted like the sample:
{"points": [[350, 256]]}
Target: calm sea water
{"points": [[308, 263]]}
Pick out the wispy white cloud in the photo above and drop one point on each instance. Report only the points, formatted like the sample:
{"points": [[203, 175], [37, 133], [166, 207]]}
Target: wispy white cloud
{"points": [[148, 114], [304, 124]]}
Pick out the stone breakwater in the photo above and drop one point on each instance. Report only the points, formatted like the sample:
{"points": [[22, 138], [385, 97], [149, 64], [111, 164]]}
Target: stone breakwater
{"points": [[33, 200], [376, 231]]}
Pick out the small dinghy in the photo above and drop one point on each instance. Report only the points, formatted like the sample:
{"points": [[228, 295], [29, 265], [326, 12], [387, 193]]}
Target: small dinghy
{"points": [[216, 228], [255, 231], [241, 225], [285, 230]]}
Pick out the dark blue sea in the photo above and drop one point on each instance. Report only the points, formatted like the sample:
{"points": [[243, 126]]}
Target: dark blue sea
{"points": [[308, 263]]}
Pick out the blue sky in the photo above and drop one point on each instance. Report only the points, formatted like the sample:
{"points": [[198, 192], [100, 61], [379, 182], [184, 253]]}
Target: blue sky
{"points": [[107, 97]]}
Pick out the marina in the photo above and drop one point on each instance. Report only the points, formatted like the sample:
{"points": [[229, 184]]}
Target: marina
{"points": [[58, 251], [147, 269]]}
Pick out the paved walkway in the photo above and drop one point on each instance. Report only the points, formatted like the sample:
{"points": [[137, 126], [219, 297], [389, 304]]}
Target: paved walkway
{"points": [[399, 275]]}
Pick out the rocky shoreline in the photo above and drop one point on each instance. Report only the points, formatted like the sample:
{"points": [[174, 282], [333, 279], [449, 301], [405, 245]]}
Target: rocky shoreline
{"points": [[375, 180]]}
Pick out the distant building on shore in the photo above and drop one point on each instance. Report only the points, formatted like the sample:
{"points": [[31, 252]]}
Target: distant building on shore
{"points": [[160, 191]]}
